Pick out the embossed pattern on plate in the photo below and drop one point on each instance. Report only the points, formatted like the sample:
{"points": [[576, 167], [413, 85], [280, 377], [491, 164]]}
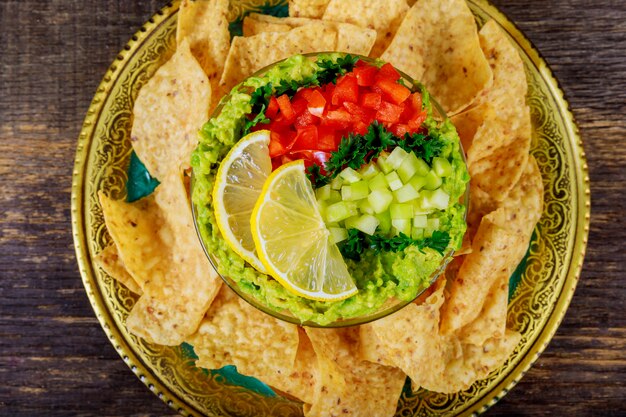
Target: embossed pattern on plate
{"points": [[536, 309]]}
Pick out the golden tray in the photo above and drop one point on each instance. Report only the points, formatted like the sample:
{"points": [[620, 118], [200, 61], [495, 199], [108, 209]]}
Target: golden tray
{"points": [[536, 308]]}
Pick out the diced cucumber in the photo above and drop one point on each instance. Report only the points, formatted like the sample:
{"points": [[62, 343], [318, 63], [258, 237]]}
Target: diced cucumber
{"points": [[432, 223], [405, 193], [422, 167], [351, 222], [378, 182], [352, 208], [385, 222], [420, 220], [323, 193], [439, 199], [396, 157], [393, 180], [323, 207], [365, 206], [401, 211], [337, 212], [367, 224], [442, 167], [433, 181], [369, 170], [334, 197], [409, 167], [418, 205], [355, 191], [380, 200], [383, 164], [336, 183], [360, 190], [418, 181], [349, 175], [337, 234], [417, 233], [401, 226], [428, 232]]}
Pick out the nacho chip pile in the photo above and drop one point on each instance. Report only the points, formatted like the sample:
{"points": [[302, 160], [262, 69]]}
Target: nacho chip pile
{"points": [[455, 333]]}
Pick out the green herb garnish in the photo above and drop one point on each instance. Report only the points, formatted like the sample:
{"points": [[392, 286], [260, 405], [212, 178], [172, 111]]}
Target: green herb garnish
{"points": [[331, 69], [357, 242], [356, 150], [438, 241]]}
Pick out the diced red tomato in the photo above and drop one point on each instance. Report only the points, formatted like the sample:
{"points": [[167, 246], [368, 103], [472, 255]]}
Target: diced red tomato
{"points": [[326, 138], [306, 138], [370, 100], [305, 119], [399, 129], [285, 107], [396, 93], [299, 105], [316, 101], [272, 108], [276, 147], [365, 75], [340, 119], [311, 124], [416, 101], [388, 112], [356, 110], [361, 127], [415, 123], [347, 89], [388, 71]]}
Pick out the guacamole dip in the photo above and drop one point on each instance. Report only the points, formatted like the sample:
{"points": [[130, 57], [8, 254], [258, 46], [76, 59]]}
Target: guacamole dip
{"points": [[402, 253]]}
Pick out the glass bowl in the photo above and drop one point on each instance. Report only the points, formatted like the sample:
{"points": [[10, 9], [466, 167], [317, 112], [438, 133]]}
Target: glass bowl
{"points": [[392, 304]]}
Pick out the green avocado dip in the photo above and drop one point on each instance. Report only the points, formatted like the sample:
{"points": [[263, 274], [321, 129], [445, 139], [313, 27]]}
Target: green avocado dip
{"points": [[404, 256]]}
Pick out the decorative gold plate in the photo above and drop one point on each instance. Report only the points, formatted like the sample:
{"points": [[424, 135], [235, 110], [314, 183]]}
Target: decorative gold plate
{"points": [[536, 308]]}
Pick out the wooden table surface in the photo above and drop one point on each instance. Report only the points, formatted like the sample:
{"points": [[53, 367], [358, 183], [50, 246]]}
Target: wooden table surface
{"points": [[55, 358]]}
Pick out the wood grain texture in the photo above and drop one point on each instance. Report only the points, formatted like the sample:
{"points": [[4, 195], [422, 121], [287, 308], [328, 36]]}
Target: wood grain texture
{"points": [[54, 358]]}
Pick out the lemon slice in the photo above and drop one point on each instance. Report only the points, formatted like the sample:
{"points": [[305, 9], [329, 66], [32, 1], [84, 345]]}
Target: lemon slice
{"points": [[238, 184], [292, 240]]}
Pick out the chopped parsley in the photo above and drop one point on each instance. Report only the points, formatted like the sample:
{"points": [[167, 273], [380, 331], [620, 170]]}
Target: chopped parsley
{"points": [[356, 150], [357, 242]]}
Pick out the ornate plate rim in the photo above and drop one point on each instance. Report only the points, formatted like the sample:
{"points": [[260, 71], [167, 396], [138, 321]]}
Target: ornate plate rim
{"points": [[142, 371]]}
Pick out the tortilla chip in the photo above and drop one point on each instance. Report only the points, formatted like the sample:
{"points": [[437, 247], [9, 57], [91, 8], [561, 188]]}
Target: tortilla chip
{"points": [[508, 91], [524, 203], [112, 264], [252, 26], [307, 8], [437, 44], [481, 204], [179, 283], [495, 250], [382, 15], [204, 24], [134, 229], [409, 339], [235, 333], [467, 125], [170, 109], [491, 321], [363, 389], [498, 173], [250, 54], [472, 362], [500, 145], [351, 39]]}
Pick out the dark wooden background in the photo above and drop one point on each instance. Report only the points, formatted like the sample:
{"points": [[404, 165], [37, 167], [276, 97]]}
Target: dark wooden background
{"points": [[55, 359]]}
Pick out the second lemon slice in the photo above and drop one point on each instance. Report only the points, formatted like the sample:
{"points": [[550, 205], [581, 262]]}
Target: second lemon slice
{"points": [[292, 240], [238, 184]]}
